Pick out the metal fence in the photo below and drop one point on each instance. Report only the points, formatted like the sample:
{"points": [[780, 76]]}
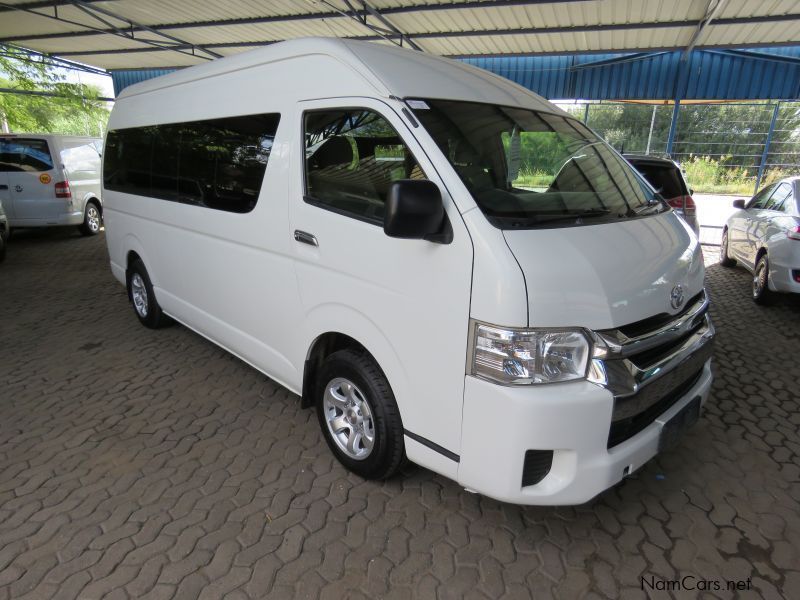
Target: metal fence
{"points": [[731, 147]]}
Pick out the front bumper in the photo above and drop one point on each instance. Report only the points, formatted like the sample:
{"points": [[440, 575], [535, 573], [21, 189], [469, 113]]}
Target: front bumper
{"points": [[501, 423]]}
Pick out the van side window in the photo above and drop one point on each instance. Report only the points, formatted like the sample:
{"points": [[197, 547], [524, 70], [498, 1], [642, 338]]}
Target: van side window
{"points": [[215, 163], [352, 157]]}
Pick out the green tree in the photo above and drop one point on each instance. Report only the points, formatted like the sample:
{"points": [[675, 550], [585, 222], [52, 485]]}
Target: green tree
{"points": [[73, 109]]}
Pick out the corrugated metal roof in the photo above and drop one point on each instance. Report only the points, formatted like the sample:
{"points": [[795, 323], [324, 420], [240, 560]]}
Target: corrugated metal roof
{"points": [[112, 34], [709, 75]]}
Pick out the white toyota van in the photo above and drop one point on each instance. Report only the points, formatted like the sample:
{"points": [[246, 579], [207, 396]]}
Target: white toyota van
{"points": [[442, 263], [48, 180]]}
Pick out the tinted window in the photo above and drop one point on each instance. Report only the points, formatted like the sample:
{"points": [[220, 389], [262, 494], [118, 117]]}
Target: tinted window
{"points": [[665, 179], [216, 163], [352, 157], [18, 154], [164, 171], [779, 196], [760, 199], [127, 161]]}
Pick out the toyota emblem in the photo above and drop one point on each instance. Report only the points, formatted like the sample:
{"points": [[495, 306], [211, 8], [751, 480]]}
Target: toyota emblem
{"points": [[676, 296]]}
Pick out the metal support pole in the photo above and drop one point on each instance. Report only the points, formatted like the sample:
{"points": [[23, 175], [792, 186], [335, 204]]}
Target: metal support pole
{"points": [[673, 126], [586, 114], [652, 123], [766, 145]]}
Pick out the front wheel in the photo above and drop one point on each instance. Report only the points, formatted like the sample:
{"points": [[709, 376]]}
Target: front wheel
{"points": [[761, 291], [724, 259], [358, 414], [92, 219]]}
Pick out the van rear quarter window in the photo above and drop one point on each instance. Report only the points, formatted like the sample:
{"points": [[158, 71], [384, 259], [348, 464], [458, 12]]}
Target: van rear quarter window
{"points": [[22, 154], [214, 163]]}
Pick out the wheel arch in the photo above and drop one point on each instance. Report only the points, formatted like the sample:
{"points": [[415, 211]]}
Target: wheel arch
{"points": [[353, 330], [133, 250], [92, 197]]}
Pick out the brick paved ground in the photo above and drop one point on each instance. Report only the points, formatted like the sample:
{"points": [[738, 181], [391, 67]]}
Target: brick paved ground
{"points": [[142, 464]]}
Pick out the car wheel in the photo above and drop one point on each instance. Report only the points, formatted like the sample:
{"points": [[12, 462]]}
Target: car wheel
{"points": [[761, 291], [92, 219], [358, 414], [140, 292], [724, 259], [2, 249]]}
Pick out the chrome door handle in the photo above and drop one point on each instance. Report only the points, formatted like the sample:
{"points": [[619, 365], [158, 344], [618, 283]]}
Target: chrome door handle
{"points": [[305, 238]]}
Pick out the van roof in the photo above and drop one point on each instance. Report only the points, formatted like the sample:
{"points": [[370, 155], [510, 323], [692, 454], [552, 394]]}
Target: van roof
{"points": [[385, 70]]}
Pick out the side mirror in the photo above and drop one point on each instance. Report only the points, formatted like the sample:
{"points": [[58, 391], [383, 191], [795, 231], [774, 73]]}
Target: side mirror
{"points": [[414, 210], [738, 203], [691, 192]]}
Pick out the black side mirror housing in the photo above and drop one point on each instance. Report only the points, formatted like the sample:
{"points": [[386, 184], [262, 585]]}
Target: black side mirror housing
{"points": [[414, 210], [738, 203]]}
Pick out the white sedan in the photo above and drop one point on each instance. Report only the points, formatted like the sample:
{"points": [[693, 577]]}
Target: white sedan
{"points": [[764, 236]]}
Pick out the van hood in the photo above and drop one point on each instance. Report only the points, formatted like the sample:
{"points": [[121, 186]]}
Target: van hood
{"points": [[607, 275]]}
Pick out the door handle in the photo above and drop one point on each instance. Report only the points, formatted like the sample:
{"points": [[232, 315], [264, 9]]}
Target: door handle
{"points": [[305, 238], [3, 186]]}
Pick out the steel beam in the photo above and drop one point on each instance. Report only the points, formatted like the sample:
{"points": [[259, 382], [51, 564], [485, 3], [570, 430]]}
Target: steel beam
{"points": [[115, 32], [711, 12], [48, 59], [49, 94], [90, 8], [336, 13], [767, 143]]}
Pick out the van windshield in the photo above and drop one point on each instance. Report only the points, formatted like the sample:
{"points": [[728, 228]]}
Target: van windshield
{"points": [[530, 169]]}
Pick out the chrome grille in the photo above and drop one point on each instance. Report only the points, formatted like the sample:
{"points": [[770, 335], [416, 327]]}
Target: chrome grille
{"points": [[649, 372]]}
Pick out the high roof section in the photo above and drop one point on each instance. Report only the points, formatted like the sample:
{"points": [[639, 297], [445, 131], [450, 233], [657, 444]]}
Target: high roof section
{"points": [[360, 68], [130, 34]]}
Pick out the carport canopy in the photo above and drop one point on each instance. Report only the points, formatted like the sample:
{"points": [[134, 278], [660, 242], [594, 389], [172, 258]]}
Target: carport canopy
{"points": [[135, 34]]}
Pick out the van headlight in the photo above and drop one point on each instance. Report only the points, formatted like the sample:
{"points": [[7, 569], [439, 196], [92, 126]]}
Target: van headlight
{"points": [[529, 356]]}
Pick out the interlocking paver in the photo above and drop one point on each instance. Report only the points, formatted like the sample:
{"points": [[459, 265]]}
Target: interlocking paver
{"points": [[151, 464]]}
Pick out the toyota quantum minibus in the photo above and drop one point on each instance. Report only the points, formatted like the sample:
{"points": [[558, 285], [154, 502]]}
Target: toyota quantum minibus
{"points": [[445, 265]]}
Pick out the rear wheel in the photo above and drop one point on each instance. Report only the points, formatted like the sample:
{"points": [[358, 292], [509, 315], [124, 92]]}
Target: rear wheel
{"points": [[761, 291], [140, 292], [2, 249], [92, 219], [724, 259], [358, 414]]}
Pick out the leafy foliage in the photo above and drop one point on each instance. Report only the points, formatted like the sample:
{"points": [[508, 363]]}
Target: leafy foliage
{"points": [[74, 109]]}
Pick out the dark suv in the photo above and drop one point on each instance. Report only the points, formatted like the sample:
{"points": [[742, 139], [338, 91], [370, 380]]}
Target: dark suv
{"points": [[667, 179]]}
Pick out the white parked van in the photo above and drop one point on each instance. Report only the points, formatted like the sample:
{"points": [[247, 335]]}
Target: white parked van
{"points": [[444, 264], [48, 180]]}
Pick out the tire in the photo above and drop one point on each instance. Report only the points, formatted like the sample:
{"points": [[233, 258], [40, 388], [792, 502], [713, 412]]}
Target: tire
{"points": [[724, 259], [2, 249], [140, 293], [358, 414], [761, 292], [92, 219]]}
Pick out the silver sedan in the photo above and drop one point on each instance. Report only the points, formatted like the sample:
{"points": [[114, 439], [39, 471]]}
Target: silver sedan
{"points": [[764, 236]]}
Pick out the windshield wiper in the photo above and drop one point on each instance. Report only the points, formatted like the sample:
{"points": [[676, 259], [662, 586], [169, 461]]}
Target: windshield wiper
{"points": [[638, 212], [559, 217]]}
